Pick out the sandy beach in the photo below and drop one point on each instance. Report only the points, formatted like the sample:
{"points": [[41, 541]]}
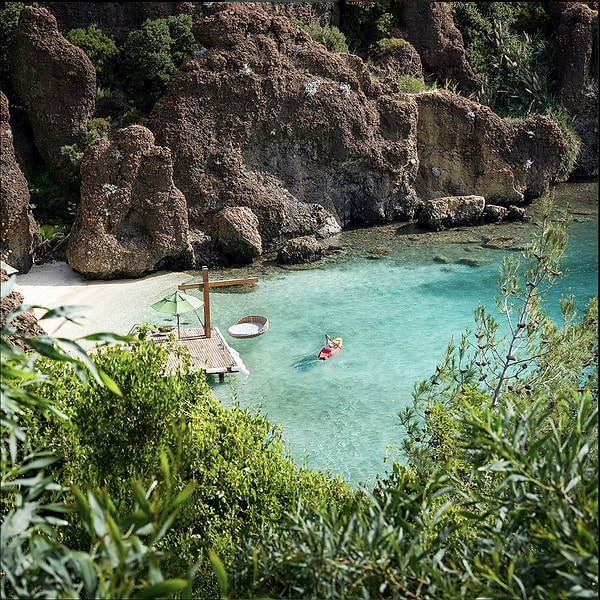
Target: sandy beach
{"points": [[103, 306]]}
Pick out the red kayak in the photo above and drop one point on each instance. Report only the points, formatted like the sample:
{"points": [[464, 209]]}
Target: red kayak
{"points": [[326, 353]]}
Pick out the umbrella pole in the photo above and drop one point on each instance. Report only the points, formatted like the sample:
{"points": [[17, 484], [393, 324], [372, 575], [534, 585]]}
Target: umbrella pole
{"points": [[178, 330]]}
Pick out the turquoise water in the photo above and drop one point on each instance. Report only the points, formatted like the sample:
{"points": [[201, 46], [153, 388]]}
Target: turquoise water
{"points": [[397, 299]]}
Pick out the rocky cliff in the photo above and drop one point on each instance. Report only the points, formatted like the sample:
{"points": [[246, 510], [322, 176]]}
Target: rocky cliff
{"points": [[265, 137]]}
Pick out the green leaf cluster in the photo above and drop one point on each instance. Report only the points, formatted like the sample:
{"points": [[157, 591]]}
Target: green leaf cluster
{"points": [[152, 54], [101, 49], [509, 46], [9, 17], [331, 37], [119, 557]]}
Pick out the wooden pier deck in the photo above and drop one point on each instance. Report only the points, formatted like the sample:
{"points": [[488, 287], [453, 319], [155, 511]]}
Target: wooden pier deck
{"points": [[213, 355]]}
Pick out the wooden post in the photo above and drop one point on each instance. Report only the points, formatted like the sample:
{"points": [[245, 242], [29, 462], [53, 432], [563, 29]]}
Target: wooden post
{"points": [[206, 285], [206, 296]]}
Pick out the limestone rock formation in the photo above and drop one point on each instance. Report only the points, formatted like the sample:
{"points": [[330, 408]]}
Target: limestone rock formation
{"points": [[264, 117], [131, 219], [405, 61], [452, 211], [464, 149], [299, 250], [55, 80], [17, 225], [576, 25], [238, 233]]}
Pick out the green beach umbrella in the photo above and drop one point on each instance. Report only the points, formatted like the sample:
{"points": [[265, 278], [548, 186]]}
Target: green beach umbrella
{"points": [[6, 267], [176, 304]]}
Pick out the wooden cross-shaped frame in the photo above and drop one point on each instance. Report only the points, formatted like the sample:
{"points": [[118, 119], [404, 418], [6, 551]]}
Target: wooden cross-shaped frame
{"points": [[205, 287]]}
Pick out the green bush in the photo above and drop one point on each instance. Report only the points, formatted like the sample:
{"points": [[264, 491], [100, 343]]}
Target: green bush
{"points": [[119, 557], [411, 85], [510, 47], [101, 50], [53, 199], [9, 17], [331, 37], [364, 24], [388, 45], [151, 55], [561, 117], [244, 476]]}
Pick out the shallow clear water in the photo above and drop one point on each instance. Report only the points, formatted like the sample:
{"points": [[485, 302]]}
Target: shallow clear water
{"points": [[396, 307]]}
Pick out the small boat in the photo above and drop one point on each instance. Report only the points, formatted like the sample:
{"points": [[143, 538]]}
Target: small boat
{"points": [[326, 353], [249, 326]]}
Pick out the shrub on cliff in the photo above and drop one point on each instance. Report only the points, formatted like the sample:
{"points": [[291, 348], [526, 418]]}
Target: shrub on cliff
{"points": [[101, 50], [152, 54], [331, 37]]}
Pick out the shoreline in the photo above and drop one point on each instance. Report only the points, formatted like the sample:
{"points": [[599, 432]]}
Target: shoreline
{"points": [[119, 304]]}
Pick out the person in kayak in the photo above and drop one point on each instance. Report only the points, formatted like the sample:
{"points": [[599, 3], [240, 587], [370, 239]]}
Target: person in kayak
{"points": [[329, 343]]}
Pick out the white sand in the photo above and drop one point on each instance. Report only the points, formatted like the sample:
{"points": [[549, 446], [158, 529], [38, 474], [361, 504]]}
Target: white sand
{"points": [[104, 306]]}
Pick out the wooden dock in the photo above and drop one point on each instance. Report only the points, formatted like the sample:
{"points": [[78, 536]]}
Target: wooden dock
{"points": [[211, 354]]}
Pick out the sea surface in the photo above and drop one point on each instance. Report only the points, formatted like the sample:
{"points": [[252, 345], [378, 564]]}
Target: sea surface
{"points": [[397, 296]]}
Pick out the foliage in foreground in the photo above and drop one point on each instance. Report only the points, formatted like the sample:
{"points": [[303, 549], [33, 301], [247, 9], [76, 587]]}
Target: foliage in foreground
{"points": [[236, 459], [499, 496], [119, 557]]}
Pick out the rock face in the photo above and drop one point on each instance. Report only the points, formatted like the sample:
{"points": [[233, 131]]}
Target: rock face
{"points": [[238, 233], [464, 148], [576, 26], [268, 119], [302, 249], [17, 227], [452, 211], [131, 219], [405, 61], [430, 28], [55, 80]]}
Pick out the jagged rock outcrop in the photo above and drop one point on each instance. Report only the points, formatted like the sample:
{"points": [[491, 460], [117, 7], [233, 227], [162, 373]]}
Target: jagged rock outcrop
{"points": [[269, 119], [430, 28], [17, 225], [238, 233], [304, 249], [266, 120], [576, 26], [464, 149], [55, 80], [131, 219], [452, 211]]}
